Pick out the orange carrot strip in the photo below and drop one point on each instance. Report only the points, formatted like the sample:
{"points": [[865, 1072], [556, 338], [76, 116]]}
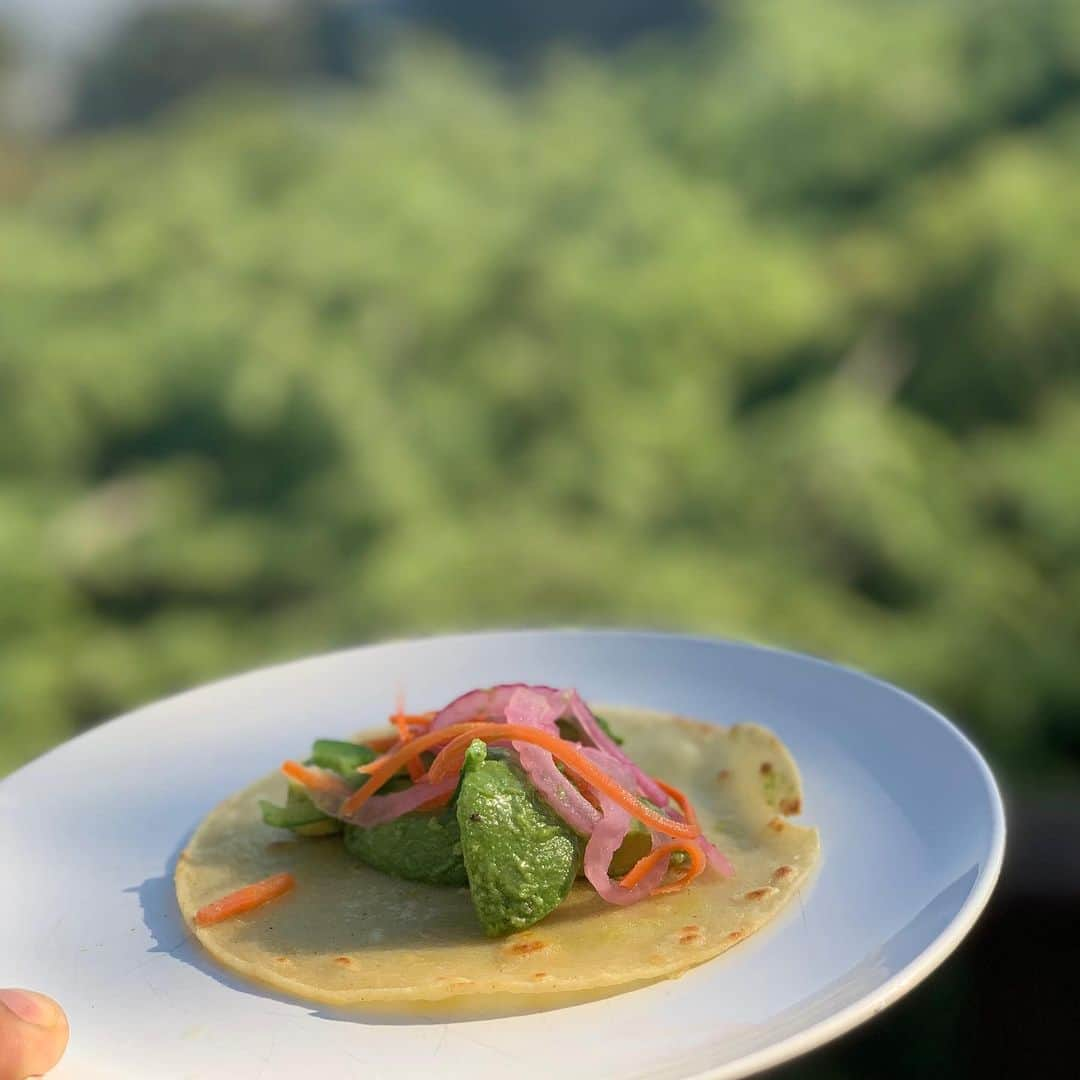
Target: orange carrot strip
{"points": [[647, 862], [566, 752], [401, 722], [420, 720], [698, 862], [393, 742], [684, 803], [245, 899], [314, 779], [451, 757]]}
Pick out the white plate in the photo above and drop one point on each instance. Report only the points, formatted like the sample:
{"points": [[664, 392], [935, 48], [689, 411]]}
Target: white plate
{"points": [[911, 823]]}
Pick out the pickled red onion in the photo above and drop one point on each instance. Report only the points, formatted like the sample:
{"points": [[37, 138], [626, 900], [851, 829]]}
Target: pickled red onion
{"points": [[590, 727], [380, 809], [605, 841], [535, 710], [489, 704]]}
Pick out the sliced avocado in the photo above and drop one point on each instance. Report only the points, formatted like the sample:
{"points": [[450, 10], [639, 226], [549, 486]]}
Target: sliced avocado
{"points": [[342, 757], [521, 857], [415, 846], [636, 845], [300, 815]]}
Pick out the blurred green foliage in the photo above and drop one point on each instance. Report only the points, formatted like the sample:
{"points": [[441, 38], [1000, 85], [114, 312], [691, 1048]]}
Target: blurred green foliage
{"points": [[773, 335]]}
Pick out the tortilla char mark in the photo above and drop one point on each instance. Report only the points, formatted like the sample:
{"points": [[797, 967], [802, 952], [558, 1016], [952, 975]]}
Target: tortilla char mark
{"points": [[760, 894], [524, 948]]}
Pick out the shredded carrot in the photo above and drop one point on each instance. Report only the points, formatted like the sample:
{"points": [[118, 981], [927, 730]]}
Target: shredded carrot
{"points": [[401, 722], [418, 720], [647, 862], [684, 803], [565, 751], [451, 757], [382, 744], [245, 899], [315, 779]]}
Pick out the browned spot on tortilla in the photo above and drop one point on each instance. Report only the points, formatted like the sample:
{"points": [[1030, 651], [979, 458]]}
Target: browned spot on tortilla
{"points": [[790, 806], [539, 974], [523, 948], [735, 935], [766, 768], [782, 872], [723, 774], [777, 824], [689, 939], [691, 929], [343, 960], [281, 959], [758, 894]]}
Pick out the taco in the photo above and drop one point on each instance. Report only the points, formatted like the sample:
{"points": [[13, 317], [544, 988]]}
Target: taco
{"points": [[512, 843]]}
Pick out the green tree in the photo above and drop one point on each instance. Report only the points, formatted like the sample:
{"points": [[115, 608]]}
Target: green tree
{"points": [[648, 341]]}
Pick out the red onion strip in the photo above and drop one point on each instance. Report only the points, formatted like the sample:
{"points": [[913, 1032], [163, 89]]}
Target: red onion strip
{"points": [[648, 787], [490, 703], [599, 851], [379, 809], [540, 711]]}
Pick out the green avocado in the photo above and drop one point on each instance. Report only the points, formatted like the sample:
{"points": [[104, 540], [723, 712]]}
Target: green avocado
{"points": [[342, 757], [417, 846], [299, 813], [636, 845], [521, 857]]}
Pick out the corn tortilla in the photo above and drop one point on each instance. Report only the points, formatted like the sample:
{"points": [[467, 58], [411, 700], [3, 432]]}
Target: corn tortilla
{"points": [[350, 935]]}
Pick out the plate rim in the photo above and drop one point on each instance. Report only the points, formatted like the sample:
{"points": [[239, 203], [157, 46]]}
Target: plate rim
{"points": [[818, 1033]]}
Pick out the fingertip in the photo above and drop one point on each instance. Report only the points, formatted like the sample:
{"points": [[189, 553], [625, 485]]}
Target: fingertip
{"points": [[32, 1008], [34, 1034]]}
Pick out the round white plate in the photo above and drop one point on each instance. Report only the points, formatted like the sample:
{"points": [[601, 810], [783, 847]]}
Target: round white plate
{"points": [[912, 832]]}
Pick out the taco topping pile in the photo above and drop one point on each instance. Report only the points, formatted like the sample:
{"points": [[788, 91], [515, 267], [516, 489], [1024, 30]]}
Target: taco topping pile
{"points": [[513, 791]]}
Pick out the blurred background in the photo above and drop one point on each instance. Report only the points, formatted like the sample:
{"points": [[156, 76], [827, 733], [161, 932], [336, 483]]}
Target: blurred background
{"points": [[323, 321]]}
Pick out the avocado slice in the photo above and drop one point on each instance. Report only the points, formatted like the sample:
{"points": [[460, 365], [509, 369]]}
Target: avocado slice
{"points": [[342, 757], [520, 856], [636, 845], [299, 813], [416, 846]]}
